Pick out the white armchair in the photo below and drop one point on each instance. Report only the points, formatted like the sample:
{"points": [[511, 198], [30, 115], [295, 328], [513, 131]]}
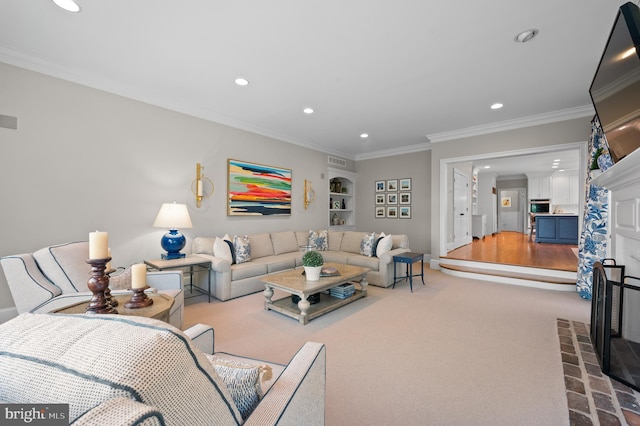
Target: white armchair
{"points": [[55, 277]]}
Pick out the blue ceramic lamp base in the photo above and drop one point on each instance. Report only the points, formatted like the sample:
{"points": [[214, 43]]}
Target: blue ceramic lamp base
{"points": [[172, 242]]}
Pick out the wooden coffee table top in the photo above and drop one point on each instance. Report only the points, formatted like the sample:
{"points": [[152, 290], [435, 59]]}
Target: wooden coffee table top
{"points": [[294, 282]]}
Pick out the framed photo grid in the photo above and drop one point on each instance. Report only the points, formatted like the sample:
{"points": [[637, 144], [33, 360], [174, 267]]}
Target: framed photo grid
{"points": [[392, 198]]}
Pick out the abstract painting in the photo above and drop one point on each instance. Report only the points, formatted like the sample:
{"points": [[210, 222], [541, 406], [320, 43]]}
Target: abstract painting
{"points": [[257, 190]]}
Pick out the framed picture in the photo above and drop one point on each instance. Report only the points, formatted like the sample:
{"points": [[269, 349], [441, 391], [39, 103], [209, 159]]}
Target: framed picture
{"points": [[392, 185], [380, 186], [392, 198], [405, 212], [506, 202], [380, 212], [392, 212], [379, 199], [405, 184], [405, 198], [257, 190]]}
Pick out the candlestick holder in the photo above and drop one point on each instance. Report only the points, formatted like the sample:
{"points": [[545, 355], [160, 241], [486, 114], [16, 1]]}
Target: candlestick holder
{"points": [[98, 283], [139, 299], [107, 293]]}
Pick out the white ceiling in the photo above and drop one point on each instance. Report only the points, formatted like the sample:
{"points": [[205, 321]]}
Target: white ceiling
{"points": [[406, 72]]}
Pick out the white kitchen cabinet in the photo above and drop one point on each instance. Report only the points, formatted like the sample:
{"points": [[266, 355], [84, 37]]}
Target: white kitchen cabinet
{"points": [[539, 187], [564, 189]]}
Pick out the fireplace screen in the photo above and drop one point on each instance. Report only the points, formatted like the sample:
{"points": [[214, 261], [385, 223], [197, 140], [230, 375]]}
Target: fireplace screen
{"points": [[615, 329]]}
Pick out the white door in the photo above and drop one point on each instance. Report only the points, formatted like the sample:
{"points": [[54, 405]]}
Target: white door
{"points": [[511, 211], [460, 209]]}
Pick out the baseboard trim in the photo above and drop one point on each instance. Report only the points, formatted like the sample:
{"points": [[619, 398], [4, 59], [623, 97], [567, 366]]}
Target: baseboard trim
{"points": [[7, 313]]}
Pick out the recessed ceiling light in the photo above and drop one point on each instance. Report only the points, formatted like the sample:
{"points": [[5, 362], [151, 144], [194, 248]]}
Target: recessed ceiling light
{"points": [[561, 170], [364, 135], [555, 166], [68, 5], [487, 167], [242, 81], [497, 105], [526, 35], [557, 160], [308, 110]]}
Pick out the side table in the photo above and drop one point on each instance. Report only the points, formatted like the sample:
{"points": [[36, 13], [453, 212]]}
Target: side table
{"points": [[409, 259], [160, 308], [190, 262]]}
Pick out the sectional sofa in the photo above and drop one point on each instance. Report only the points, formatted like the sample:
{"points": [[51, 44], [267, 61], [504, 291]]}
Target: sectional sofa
{"points": [[279, 251]]}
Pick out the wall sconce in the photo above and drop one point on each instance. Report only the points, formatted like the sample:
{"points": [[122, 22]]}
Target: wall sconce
{"points": [[309, 194], [203, 185]]}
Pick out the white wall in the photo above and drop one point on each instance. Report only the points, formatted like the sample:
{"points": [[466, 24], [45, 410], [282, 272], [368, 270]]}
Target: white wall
{"points": [[83, 159]]}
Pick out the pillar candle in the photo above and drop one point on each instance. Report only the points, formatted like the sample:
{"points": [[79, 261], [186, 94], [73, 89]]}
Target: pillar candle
{"points": [[108, 263], [199, 188], [138, 275], [98, 245]]}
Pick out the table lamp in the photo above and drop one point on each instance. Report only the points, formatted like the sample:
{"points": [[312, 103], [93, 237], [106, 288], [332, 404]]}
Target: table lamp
{"points": [[173, 216]]}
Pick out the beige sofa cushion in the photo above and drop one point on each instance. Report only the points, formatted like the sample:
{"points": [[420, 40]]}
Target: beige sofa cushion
{"points": [[284, 242], [351, 241], [203, 245], [261, 245], [335, 240]]}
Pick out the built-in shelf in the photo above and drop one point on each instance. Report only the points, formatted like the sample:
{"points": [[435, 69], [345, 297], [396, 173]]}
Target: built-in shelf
{"points": [[342, 189]]}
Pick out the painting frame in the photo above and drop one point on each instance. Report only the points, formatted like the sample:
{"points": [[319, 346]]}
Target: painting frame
{"points": [[404, 212], [392, 185], [405, 198], [392, 212], [380, 212], [380, 199], [381, 186], [392, 198], [505, 202], [255, 189], [405, 184]]}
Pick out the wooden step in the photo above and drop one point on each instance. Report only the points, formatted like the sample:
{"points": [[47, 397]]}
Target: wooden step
{"points": [[510, 274]]}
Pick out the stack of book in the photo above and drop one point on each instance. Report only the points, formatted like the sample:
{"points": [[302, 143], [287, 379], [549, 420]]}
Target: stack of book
{"points": [[342, 291]]}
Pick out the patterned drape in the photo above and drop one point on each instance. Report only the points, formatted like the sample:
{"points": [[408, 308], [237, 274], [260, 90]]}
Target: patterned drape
{"points": [[592, 246]]}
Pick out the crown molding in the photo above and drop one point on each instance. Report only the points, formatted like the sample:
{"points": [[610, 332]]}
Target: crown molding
{"points": [[395, 151], [534, 120]]}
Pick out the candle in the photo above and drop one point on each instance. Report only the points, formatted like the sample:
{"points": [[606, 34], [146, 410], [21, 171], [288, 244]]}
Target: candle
{"points": [[108, 263], [98, 245], [139, 275], [199, 188]]}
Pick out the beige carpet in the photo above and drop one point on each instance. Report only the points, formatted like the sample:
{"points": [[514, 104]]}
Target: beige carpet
{"points": [[453, 352]]}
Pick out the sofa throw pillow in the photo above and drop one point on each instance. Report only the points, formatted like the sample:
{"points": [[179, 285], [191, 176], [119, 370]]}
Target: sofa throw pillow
{"points": [[223, 248], [242, 380], [383, 244], [319, 240], [242, 248], [366, 245]]}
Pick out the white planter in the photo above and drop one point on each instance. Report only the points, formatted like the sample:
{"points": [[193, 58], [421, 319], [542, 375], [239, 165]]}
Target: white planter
{"points": [[312, 272]]}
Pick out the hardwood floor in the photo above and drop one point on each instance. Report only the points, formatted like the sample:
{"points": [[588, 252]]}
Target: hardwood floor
{"points": [[514, 248]]}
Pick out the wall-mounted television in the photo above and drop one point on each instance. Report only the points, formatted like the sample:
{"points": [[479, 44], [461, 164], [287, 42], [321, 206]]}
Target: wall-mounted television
{"points": [[615, 90]]}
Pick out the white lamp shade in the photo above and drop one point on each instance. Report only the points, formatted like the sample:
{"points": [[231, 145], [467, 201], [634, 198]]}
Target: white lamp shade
{"points": [[173, 216]]}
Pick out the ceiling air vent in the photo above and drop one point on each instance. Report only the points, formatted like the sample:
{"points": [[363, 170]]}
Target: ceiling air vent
{"points": [[335, 161]]}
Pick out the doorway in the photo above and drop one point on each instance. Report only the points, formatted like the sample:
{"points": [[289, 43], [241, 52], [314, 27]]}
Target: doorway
{"points": [[460, 209], [511, 210]]}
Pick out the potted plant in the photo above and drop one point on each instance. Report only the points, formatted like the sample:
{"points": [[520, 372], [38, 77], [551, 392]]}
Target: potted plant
{"points": [[312, 262]]}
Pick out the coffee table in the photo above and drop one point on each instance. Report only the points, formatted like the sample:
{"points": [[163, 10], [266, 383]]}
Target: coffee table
{"points": [[293, 282], [160, 308]]}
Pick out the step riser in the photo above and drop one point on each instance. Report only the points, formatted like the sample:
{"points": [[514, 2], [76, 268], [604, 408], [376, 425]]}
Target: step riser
{"points": [[509, 280]]}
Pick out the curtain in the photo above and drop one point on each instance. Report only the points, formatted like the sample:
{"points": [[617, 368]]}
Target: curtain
{"points": [[592, 245]]}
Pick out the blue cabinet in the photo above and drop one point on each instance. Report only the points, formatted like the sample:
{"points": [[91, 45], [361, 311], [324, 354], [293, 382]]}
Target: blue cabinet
{"points": [[557, 229]]}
